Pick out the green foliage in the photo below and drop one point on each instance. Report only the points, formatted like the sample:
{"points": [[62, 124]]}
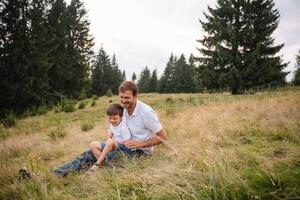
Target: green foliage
{"points": [[133, 77], [144, 81], [153, 83], [9, 120], [68, 105], [87, 125], [238, 49], [81, 105], [93, 103], [167, 83], [47, 55], [105, 74], [296, 79], [95, 97], [56, 119], [3, 132], [109, 93]]}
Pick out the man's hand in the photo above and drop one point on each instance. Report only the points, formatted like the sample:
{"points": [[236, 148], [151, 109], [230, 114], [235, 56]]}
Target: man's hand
{"points": [[133, 144]]}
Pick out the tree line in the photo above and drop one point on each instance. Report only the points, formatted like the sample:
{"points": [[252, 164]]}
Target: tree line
{"points": [[237, 52], [46, 52], [178, 77]]}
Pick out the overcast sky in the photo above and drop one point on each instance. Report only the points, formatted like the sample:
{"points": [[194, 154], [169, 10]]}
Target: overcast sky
{"points": [[146, 32]]}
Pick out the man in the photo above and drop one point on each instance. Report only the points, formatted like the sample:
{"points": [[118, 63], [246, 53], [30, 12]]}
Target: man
{"points": [[143, 124]]}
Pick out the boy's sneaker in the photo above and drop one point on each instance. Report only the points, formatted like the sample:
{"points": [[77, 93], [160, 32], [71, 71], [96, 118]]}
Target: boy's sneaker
{"points": [[92, 169], [24, 174]]}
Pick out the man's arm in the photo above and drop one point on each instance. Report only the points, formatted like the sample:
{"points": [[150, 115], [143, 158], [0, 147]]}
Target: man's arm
{"points": [[156, 139]]}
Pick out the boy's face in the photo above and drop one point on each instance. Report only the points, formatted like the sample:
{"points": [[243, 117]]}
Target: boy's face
{"points": [[127, 99], [114, 119]]}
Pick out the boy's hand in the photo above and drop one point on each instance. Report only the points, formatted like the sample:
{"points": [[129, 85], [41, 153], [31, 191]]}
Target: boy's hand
{"points": [[110, 134]]}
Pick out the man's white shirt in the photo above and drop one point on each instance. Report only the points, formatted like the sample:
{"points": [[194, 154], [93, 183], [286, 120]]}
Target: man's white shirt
{"points": [[143, 123]]}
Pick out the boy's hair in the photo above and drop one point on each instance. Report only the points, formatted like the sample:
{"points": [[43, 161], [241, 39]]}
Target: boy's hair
{"points": [[114, 109], [129, 85]]}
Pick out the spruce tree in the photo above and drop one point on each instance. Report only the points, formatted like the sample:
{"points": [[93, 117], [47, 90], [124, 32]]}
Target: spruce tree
{"points": [[296, 79], [153, 82], [166, 82], [123, 75], [116, 75], [238, 48], [133, 77], [78, 49], [183, 76], [15, 73], [101, 74], [144, 81], [59, 71]]}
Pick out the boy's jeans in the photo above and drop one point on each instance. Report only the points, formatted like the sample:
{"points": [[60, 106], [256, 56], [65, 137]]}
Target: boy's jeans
{"points": [[87, 158]]}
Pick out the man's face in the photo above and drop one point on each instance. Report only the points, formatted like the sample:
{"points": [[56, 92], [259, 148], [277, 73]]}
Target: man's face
{"points": [[127, 99]]}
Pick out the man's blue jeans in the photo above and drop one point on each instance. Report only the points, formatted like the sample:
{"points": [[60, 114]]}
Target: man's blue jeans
{"points": [[87, 159]]}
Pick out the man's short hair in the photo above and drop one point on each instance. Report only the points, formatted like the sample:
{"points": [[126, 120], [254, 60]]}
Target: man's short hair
{"points": [[114, 109], [128, 85]]}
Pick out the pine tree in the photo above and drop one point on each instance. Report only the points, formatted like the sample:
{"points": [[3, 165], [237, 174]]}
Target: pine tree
{"points": [[15, 79], [183, 76], [262, 63], [193, 67], [123, 75], [101, 74], [296, 79], [39, 53], [79, 44], [144, 81], [166, 83], [57, 35], [238, 48], [116, 75], [133, 77], [153, 82]]}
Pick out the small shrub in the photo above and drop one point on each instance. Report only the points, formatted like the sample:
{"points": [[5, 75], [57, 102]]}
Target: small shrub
{"points": [[87, 125], [42, 110], [93, 103], [95, 97], [68, 105], [109, 93], [169, 100], [58, 132], [170, 110], [81, 105], [110, 101], [56, 119], [9, 120], [3, 132]]}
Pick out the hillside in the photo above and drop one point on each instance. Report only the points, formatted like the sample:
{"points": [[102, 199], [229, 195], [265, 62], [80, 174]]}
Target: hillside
{"points": [[220, 147]]}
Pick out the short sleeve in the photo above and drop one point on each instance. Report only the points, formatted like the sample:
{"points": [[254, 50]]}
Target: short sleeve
{"points": [[151, 121]]}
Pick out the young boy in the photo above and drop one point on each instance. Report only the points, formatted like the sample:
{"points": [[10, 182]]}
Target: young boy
{"points": [[117, 133]]}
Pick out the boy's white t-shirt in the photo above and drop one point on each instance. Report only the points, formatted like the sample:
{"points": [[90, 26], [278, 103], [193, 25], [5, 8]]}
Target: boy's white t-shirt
{"points": [[120, 132]]}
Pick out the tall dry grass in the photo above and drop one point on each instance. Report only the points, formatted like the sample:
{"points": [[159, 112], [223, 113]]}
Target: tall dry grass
{"points": [[219, 147]]}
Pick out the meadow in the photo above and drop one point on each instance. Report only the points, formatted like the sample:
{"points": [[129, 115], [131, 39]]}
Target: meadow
{"points": [[219, 147]]}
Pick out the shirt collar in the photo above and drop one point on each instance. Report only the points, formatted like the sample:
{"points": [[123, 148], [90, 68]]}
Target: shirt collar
{"points": [[135, 111]]}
